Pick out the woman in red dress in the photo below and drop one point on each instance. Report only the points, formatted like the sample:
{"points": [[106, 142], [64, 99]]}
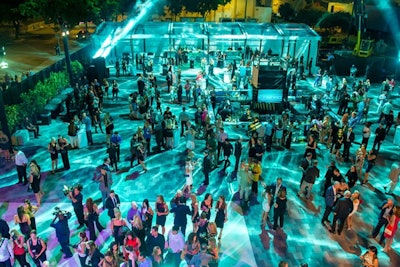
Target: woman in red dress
{"points": [[131, 244], [391, 228]]}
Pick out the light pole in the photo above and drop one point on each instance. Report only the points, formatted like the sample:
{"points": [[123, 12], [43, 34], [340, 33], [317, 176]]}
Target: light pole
{"points": [[65, 34], [245, 12]]}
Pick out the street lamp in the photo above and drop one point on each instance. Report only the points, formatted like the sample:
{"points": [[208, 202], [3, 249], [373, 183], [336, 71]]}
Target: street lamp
{"points": [[65, 34]]}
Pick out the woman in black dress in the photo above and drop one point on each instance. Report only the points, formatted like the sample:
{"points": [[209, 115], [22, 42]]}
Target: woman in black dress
{"points": [[23, 220], [311, 146], [141, 153], [147, 214], [162, 212], [206, 205], [202, 232], [115, 90], [371, 157], [252, 148], [134, 148], [352, 176], [222, 214], [116, 224], [34, 180], [139, 231], [91, 213], [279, 208], [338, 144], [31, 210], [108, 122], [63, 145], [52, 148]]}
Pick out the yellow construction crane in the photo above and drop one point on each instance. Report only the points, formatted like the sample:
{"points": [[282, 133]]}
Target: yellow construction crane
{"points": [[363, 47]]}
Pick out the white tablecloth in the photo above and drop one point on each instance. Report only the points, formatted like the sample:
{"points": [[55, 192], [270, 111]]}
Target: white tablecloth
{"points": [[177, 137], [82, 138]]}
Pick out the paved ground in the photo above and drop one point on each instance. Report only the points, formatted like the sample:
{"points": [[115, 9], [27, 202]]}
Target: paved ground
{"points": [[33, 51], [244, 243]]}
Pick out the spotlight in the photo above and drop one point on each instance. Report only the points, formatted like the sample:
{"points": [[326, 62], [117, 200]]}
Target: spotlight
{"points": [[3, 65], [120, 33]]}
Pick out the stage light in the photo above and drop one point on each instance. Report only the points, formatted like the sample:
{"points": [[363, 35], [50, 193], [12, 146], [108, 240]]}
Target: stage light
{"points": [[114, 37], [3, 65], [391, 19]]}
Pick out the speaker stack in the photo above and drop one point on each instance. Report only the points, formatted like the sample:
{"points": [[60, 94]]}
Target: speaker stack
{"points": [[269, 79], [97, 70]]}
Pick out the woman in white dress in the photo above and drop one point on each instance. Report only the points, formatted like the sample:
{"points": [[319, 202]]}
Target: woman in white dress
{"points": [[189, 167], [266, 207], [355, 197]]}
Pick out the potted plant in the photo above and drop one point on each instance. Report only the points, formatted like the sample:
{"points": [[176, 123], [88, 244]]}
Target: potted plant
{"points": [[14, 116]]}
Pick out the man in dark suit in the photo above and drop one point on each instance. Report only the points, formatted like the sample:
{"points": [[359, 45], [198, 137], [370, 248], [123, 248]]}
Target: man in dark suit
{"points": [[328, 177], [386, 208], [155, 239], [112, 202], [181, 211], [348, 140], [337, 176], [330, 201], [274, 188], [342, 210], [238, 153], [206, 168], [380, 134], [228, 150]]}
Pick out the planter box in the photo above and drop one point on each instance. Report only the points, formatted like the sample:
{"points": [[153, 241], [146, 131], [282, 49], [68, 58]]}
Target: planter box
{"points": [[20, 138]]}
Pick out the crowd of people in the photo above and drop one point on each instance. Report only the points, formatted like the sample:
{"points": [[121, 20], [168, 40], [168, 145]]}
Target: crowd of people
{"points": [[139, 239]]}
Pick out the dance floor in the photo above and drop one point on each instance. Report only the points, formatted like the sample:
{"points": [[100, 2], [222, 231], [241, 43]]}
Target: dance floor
{"points": [[244, 241]]}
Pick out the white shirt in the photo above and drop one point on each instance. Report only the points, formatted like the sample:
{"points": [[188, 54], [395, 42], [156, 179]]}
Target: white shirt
{"points": [[176, 242], [20, 159], [6, 251]]}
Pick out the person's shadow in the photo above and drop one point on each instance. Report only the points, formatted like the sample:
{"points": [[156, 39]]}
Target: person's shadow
{"points": [[265, 238], [280, 243]]}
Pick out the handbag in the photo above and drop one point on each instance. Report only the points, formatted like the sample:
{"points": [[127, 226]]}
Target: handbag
{"points": [[123, 230], [388, 231]]}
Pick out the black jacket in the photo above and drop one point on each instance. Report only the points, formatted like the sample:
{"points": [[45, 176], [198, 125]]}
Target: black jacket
{"points": [[206, 164], [344, 207], [382, 212], [311, 174], [238, 149], [110, 205], [351, 138]]}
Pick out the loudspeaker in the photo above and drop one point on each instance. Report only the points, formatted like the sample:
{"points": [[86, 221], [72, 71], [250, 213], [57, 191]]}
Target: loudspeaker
{"points": [[92, 73], [100, 68]]}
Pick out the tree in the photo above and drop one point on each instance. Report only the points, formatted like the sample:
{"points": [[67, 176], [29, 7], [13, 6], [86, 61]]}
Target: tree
{"points": [[286, 11], [203, 6], [9, 12], [330, 21], [309, 16], [58, 12], [175, 7]]}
